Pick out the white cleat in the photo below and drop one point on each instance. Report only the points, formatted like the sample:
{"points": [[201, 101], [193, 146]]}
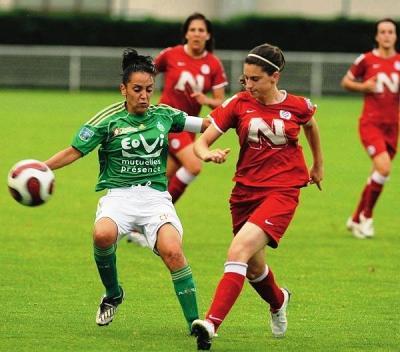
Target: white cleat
{"points": [[137, 238], [204, 331], [354, 228], [278, 319], [366, 226]]}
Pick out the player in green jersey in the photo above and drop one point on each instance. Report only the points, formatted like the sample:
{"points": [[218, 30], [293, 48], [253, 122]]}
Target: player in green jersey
{"points": [[133, 139]]}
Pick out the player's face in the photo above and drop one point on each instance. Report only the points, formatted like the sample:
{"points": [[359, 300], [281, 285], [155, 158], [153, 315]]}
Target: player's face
{"points": [[386, 35], [197, 35], [257, 82], [138, 92]]}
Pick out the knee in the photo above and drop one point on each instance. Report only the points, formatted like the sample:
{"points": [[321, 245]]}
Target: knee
{"points": [[384, 170], [194, 168], [254, 272], [173, 258], [103, 239]]}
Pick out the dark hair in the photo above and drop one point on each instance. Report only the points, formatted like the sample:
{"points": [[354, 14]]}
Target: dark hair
{"points": [[133, 62], [385, 20], [199, 16], [269, 52]]}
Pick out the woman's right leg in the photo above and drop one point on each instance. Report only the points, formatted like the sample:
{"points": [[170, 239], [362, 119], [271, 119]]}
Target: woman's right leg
{"points": [[104, 245]]}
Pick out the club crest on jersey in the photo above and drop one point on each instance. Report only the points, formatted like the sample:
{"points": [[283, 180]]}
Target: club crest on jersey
{"points": [[397, 65], [286, 115], [85, 134], [160, 126], [205, 69]]}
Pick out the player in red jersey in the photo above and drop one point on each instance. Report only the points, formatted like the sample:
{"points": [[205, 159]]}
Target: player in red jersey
{"points": [[190, 71], [270, 172], [377, 75]]}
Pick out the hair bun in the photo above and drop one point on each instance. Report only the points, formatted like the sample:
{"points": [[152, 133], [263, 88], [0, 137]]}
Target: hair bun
{"points": [[129, 57]]}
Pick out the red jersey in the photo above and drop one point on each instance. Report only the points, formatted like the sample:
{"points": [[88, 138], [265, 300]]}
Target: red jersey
{"points": [[184, 75], [382, 105], [270, 155]]}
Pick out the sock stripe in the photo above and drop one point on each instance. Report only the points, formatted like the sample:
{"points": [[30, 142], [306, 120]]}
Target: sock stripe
{"points": [[103, 252], [181, 273]]}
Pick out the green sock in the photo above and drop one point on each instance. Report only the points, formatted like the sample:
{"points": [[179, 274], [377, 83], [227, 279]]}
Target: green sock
{"points": [[186, 293], [106, 262]]}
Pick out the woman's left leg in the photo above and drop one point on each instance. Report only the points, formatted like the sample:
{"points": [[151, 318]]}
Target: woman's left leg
{"points": [[169, 246]]}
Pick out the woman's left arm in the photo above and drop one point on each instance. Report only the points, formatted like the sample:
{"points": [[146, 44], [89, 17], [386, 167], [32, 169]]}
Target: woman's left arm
{"points": [[311, 132]]}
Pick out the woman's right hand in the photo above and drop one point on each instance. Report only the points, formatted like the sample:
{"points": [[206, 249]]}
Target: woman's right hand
{"points": [[217, 156]]}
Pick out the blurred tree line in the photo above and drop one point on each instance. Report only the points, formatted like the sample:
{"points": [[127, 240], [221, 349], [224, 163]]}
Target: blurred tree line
{"points": [[239, 33]]}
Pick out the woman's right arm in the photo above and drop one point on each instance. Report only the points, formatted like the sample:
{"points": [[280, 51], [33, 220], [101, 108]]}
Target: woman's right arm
{"points": [[63, 158], [367, 86], [203, 143]]}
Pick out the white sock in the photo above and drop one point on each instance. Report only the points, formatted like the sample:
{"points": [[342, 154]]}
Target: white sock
{"points": [[184, 176]]}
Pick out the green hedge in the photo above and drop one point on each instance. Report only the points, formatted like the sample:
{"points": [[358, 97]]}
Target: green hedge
{"points": [[292, 34]]}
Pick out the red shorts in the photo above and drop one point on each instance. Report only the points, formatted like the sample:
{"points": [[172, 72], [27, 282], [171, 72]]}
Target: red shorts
{"points": [[178, 141], [271, 209], [378, 138]]}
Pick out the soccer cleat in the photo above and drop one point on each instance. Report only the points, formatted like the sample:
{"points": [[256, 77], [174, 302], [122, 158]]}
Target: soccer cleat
{"points": [[278, 319], [108, 308], [354, 228], [137, 238], [366, 226], [204, 331]]}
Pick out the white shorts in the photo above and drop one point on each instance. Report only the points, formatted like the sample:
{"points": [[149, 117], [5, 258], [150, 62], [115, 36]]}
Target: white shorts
{"points": [[139, 208]]}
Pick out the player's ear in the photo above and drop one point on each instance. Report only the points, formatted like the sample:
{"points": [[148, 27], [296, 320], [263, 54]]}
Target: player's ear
{"points": [[122, 88]]}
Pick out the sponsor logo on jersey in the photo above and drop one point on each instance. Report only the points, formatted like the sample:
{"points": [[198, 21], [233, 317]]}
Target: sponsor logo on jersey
{"points": [[129, 145], [181, 63], [286, 115], [268, 222], [85, 134], [397, 65], [376, 65], [160, 126], [249, 111], [205, 69], [124, 130]]}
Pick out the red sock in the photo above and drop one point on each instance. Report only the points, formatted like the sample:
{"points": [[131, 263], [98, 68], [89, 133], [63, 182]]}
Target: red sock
{"points": [[361, 204], [176, 187], [269, 291], [227, 292], [374, 191]]}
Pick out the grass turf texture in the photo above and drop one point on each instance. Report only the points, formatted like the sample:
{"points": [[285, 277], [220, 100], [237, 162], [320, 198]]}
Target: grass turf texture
{"points": [[345, 291]]}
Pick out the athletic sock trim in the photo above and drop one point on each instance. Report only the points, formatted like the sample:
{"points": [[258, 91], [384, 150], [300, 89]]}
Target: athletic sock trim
{"points": [[261, 277], [184, 176], [236, 267]]}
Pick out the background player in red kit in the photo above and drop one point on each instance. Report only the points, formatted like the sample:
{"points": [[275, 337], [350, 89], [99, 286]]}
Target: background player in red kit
{"points": [[270, 172], [377, 75], [190, 71]]}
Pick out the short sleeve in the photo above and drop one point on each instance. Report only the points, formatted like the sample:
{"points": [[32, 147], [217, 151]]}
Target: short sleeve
{"points": [[358, 68], [308, 111], [89, 137], [161, 60], [178, 118], [224, 117]]}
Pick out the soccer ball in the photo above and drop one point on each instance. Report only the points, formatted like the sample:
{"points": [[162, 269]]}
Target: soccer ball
{"points": [[31, 182]]}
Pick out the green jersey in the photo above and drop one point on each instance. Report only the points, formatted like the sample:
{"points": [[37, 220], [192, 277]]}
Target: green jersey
{"points": [[133, 148]]}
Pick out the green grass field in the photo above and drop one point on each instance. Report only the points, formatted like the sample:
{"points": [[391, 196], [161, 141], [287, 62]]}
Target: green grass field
{"points": [[345, 291]]}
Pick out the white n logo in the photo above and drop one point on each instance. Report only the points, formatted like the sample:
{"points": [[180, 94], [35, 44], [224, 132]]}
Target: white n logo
{"points": [[392, 82], [196, 83], [259, 130]]}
